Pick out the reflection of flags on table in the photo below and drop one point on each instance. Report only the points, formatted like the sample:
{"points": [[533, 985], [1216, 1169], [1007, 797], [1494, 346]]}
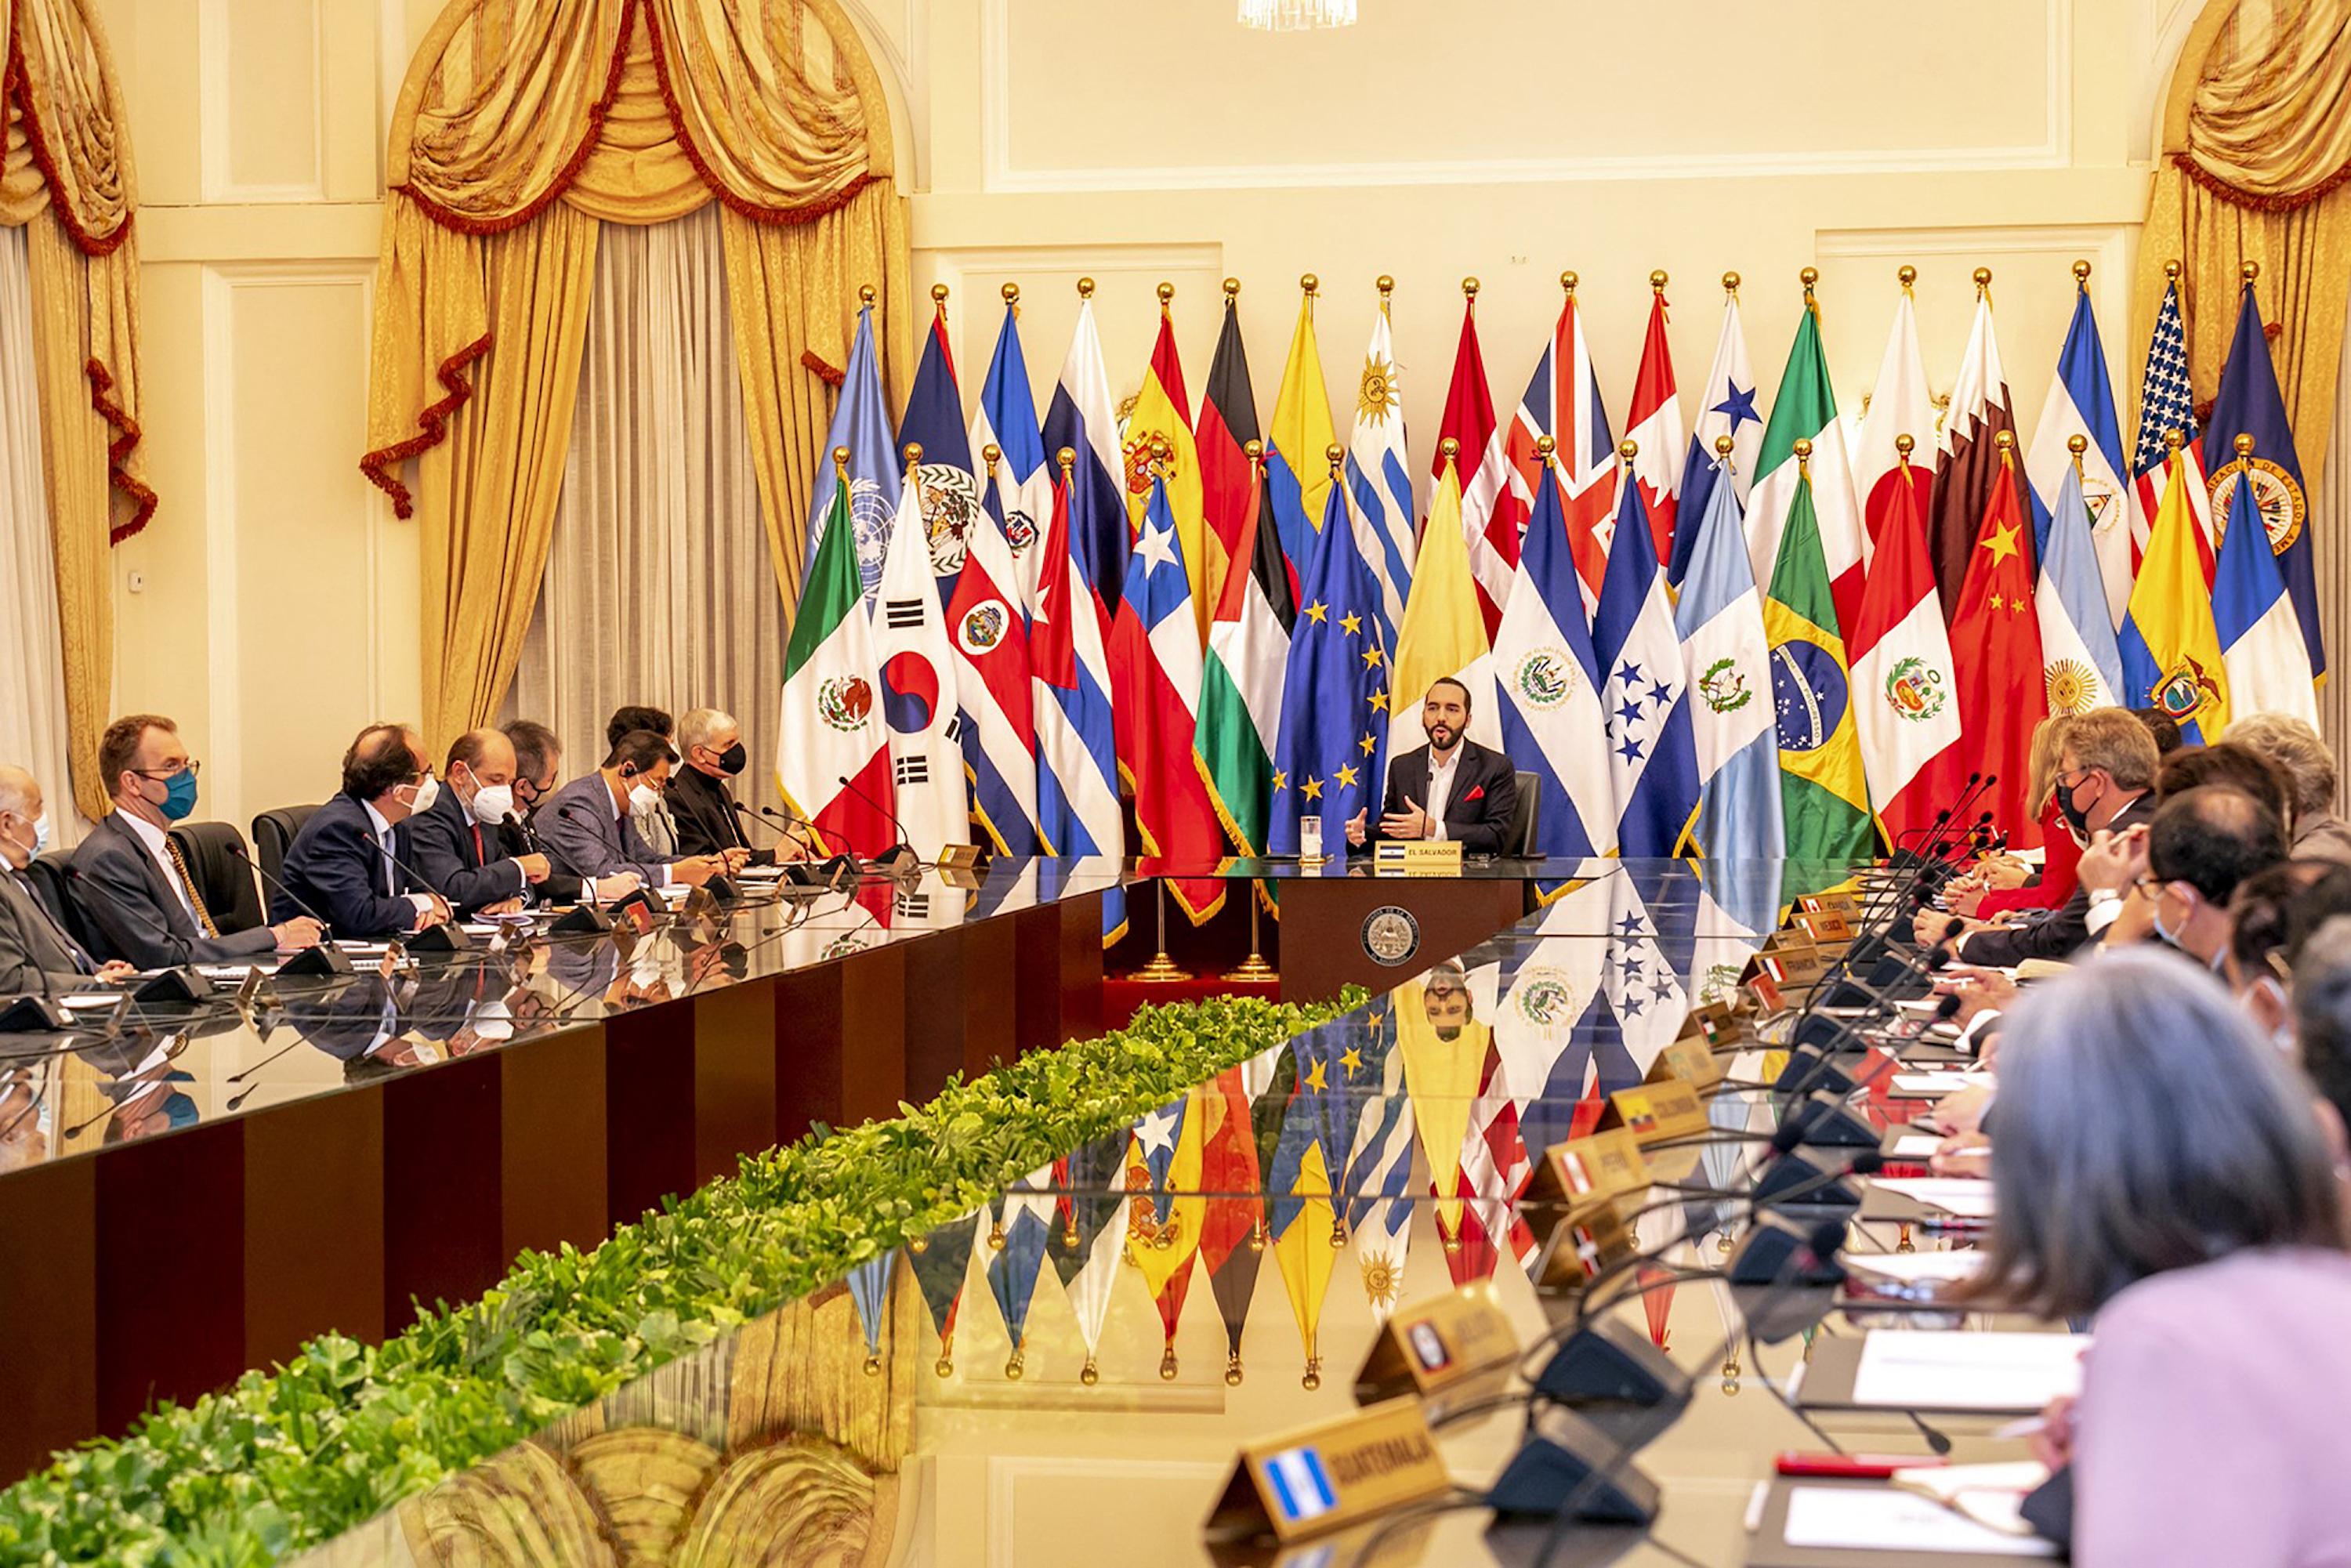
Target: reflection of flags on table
{"points": [[2249, 403], [1300, 1220], [939, 1269], [1092, 1240], [1379, 1168], [1494, 1174], [1229, 1176], [1023, 1217]]}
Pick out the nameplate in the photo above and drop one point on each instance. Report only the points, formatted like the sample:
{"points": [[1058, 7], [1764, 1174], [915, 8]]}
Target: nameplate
{"points": [[1690, 1060], [1763, 996], [1581, 1246], [1653, 1112], [1587, 1170], [1456, 1344], [1842, 903], [1716, 1024], [1329, 1476], [1788, 966], [1417, 857], [1830, 931]]}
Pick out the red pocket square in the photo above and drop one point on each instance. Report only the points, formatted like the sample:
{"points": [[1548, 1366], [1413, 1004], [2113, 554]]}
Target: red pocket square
{"points": [[1477, 792]]}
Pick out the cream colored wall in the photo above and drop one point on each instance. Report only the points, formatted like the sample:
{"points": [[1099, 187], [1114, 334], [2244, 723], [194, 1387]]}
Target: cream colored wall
{"points": [[272, 606]]}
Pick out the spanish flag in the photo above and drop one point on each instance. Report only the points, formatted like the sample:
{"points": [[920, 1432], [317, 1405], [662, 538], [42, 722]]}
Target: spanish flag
{"points": [[2171, 649], [1162, 412]]}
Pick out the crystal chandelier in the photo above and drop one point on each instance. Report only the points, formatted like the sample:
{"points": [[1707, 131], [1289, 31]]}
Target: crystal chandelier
{"points": [[1296, 16]]}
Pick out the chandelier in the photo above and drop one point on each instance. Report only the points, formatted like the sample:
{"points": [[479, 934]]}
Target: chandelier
{"points": [[1296, 16]]}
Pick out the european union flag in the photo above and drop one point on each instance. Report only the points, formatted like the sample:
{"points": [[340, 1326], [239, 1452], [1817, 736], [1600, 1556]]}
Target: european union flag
{"points": [[2250, 404], [1334, 697]]}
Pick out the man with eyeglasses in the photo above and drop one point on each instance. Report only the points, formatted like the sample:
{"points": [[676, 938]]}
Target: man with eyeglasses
{"points": [[590, 822], [343, 864], [129, 879]]}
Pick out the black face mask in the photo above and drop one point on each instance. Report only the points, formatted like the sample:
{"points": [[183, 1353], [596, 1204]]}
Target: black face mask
{"points": [[731, 761], [2076, 818]]}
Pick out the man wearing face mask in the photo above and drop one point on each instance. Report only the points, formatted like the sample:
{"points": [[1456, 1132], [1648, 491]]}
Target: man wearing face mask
{"points": [[455, 846], [700, 803], [37, 957], [344, 864], [590, 824], [2201, 843], [131, 882], [2105, 791], [651, 814]]}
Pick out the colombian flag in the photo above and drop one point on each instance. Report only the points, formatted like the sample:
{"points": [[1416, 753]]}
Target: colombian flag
{"points": [[2171, 649]]}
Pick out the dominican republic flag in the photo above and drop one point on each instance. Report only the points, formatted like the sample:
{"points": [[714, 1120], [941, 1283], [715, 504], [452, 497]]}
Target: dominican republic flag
{"points": [[2250, 404], [2262, 644], [1155, 669], [999, 730], [1379, 476], [1804, 408], [1968, 464], [1550, 680], [1228, 481], [2081, 661], [1023, 476], [2166, 402], [1298, 450], [1904, 687], [1083, 417], [1655, 426], [1077, 744], [861, 421], [1563, 401], [1726, 405], [2081, 403], [1899, 405], [1719, 618], [829, 729], [918, 690], [1493, 535], [933, 422], [1653, 755]]}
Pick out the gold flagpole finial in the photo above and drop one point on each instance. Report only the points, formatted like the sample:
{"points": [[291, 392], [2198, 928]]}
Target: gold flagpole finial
{"points": [[1386, 286], [1658, 281], [1905, 276], [913, 455], [2006, 441], [1085, 288], [1567, 281], [2174, 439], [1161, 455], [1255, 452], [1450, 450], [1628, 450], [1068, 458], [1804, 458], [1730, 283], [1232, 288], [2077, 443], [2250, 271], [2244, 443], [2082, 274], [1333, 455], [1011, 294], [1809, 277], [840, 463], [1469, 289], [1544, 447], [1167, 293], [988, 454], [865, 294], [939, 299], [2172, 269], [1722, 448], [1904, 445], [1982, 279], [1308, 282]]}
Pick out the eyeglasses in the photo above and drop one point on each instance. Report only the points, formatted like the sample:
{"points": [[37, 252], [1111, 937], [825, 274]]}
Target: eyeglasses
{"points": [[2149, 886], [191, 768]]}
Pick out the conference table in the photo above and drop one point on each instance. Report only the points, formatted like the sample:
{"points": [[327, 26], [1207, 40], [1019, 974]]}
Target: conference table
{"points": [[1070, 1373]]}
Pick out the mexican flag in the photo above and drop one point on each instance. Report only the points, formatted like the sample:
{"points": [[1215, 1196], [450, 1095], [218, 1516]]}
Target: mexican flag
{"points": [[832, 726]]}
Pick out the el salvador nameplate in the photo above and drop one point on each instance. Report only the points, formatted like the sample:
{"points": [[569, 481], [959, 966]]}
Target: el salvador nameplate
{"points": [[1439, 1346], [1329, 1476], [1417, 857], [1655, 1112]]}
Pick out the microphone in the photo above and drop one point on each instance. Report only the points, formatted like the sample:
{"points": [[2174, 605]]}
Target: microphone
{"points": [[447, 936], [900, 856], [323, 960], [237, 847]]}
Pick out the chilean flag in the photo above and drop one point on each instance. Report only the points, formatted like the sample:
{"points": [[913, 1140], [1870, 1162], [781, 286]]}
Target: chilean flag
{"points": [[1486, 523], [1563, 401], [991, 652]]}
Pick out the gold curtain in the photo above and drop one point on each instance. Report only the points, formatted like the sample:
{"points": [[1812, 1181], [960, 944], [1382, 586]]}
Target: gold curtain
{"points": [[521, 113], [66, 176], [2256, 166]]}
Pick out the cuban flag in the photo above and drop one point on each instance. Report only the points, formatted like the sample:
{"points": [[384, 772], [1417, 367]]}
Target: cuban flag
{"points": [[918, 690], [861, 421], [1077, 745], [1083, 417], [2166, 402], [1563, 401], [2081, 661], [1022, 478], [2262, 644], [1379, 477], [2081, 403], [2250, 404], [1726, 405], [999, 730], [1655, 426], [1652, 758], [1550, 680]]}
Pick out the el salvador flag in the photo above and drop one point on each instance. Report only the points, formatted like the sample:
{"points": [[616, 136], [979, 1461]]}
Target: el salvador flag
{"points": [[1550, 680], [1652, 758], [1724, 647], [2081, 403], [861, 421]]}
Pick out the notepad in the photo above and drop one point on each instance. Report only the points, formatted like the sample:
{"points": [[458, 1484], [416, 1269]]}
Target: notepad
{"points": [[1964, 1197], [1910, 1369], [1870, 1518]]}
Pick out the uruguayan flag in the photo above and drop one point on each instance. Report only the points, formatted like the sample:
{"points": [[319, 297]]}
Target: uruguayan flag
{"points": [[1379, 477]]}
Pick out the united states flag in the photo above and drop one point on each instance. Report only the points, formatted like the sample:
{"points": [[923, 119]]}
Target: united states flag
{"points": [[2166, 402]]}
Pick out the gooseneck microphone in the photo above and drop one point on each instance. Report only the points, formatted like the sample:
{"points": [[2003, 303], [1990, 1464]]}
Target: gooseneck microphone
{"points": [[900, 856], [237, 847]]}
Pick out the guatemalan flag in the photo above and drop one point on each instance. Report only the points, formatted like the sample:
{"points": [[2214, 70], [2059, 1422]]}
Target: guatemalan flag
{"points": [[1563, 401], [1652, 757], [2081, 403], [999, 731], [2262, 645], [1550, 680], [861, 421], [1083, 417], [1023, 478], [1379, 476], [933, 422], [1077, 749], [1725, 407]]}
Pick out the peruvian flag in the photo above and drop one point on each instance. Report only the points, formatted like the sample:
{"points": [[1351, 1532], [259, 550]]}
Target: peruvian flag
{"points": [[1968, 464], [1655, 426], [1563, 401], [1996, 638], [832, 726], [1905, 692], [1489, 527]]}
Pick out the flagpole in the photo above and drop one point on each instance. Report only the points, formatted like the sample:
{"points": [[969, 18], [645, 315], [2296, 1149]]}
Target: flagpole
{"points": [[1162, 970]]}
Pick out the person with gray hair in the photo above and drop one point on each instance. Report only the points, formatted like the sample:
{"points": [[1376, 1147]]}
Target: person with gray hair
{"points": [[709, 821], [2188, 1196], [37, 956], [2300, 753]]}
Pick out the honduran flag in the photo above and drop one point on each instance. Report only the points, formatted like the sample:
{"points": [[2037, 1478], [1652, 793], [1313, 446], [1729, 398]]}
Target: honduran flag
{"points": [[1022, 479], [1491, 534], [2262, 644], [1083, 417], [1655, 426], [999, 730], [1563, 401], [1653, 755]]}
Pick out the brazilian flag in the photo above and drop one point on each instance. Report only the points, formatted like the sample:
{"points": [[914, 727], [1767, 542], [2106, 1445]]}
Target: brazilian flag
{"points": [[1824, 794]]}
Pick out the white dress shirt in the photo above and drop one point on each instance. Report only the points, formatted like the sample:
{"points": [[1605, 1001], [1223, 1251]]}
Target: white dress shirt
{"points": [[147, 834], [1440, 788], [424, 901]]}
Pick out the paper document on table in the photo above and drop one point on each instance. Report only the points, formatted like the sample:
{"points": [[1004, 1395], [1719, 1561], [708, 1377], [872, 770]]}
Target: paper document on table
{"points": [[81, 1000], [1939, 1082], [1914, 1267], [1915, 1146], [1866, 1519], [1917, 1368], [1967, 1198]]}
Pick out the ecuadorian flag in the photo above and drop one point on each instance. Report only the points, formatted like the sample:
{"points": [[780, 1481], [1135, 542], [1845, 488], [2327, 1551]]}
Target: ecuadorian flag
{"points": [[2170, 647], [1824, 793]]}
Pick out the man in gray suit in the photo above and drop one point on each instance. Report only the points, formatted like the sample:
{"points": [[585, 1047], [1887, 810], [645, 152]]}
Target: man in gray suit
{"points": [[587, 823], [36, 956]]}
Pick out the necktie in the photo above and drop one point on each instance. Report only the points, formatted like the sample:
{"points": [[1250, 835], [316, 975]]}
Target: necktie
{"points": [[481, 854], [81, 960], [195, 899]]}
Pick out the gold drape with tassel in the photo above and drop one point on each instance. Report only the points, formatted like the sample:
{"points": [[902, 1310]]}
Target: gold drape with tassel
{"points": [[517, 116]]}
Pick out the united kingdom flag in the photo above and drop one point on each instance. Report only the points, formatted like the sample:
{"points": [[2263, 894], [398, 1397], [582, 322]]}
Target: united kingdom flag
{"points": [[1562, 401]]}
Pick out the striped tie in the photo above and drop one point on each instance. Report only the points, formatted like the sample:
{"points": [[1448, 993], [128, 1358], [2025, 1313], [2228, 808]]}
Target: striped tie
{"points": [[195, 899]]}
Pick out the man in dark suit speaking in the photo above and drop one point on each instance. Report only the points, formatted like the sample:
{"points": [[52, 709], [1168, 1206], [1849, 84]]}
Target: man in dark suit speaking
{"points": [[1452, 788]]}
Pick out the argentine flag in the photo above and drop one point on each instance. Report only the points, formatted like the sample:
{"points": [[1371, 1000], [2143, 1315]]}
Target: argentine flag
{"points": [[2080, 659], [2262, 645], [1551, 724]]}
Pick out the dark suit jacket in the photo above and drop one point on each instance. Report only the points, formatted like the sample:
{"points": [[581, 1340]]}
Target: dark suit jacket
{"points": [[1485, 790], [580, 823], [703, 810], [440, 846], [336, 866], [2065, 929], [560, 886], [134, 913], [37, 957]]}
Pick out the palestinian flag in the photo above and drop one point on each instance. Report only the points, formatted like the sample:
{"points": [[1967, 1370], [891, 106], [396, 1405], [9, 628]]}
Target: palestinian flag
{"points": [[832, 726]]}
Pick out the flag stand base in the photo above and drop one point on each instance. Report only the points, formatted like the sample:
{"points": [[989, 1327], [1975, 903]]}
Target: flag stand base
{"points": [[1252, 969], [1162, 970]]}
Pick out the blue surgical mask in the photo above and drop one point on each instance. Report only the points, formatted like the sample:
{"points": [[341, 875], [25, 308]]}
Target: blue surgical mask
{"points": [[180, 794]]}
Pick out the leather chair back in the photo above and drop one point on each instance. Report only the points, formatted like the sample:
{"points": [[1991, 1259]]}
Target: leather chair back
{"points": [[1526, 816], [231, 896], [272, 835], [53, 882]]}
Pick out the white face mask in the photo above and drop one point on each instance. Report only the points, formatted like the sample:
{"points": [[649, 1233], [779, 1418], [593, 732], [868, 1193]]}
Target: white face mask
{"points": [[493, 804], [40, 840], [2166, 932], [426, 793], [644, 800]]}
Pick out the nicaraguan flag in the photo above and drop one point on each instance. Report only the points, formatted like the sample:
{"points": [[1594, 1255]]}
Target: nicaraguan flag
{"points": [[861, 421], [2262, 645], [1653, 755], [2080, 658], [2081, 403], [1550, 682]]}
